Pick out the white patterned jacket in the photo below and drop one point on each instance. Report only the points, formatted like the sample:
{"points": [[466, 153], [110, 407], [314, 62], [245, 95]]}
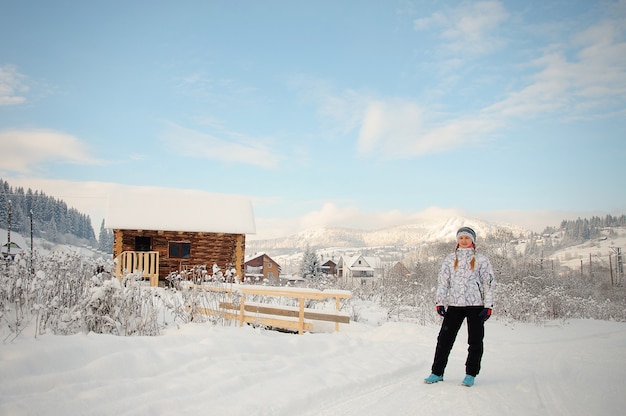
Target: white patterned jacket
{"points": [[464, 286]]}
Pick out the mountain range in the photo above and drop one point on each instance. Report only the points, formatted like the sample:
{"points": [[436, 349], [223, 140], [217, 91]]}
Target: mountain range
{"points": [[409, 235]]}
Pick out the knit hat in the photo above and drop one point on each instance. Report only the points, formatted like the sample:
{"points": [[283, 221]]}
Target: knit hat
{"points": [[468, 232]]}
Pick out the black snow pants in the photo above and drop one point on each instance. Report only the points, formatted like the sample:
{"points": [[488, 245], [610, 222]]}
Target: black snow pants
{"points": [[447, 335]]}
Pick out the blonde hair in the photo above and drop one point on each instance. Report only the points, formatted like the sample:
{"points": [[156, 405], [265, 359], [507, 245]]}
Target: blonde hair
{"points": [[472, 261]]}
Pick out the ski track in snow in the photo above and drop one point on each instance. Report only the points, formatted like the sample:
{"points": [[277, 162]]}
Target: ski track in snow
{"points": [[361, 396], [548, 381]]}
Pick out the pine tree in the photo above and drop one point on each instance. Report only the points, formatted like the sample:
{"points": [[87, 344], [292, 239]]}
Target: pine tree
{"points": [[105, 240], [310, 263]]}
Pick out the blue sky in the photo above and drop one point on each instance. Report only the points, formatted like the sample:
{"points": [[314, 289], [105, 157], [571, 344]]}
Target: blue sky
{"points": [[363, 114]]}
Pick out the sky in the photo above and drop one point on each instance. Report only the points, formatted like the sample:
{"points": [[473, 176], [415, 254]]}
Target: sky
{"points": [[363, 115]]}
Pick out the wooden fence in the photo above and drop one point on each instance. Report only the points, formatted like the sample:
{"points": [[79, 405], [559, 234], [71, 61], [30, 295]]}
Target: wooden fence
{"points": [[273, 315]]}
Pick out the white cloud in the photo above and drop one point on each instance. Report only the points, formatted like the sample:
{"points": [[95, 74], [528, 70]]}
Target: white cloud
{"points": [[344, 111], [397, 129], [24, 149], [12, 86], [470, 28], [201, 84], [393, 128], [584, 76], [332, 215], [232, 147], [389, 123], [340, 112]]}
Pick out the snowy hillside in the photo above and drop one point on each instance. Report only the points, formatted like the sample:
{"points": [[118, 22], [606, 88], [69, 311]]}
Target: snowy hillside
{"points": [[598, 249], [45, 247]]}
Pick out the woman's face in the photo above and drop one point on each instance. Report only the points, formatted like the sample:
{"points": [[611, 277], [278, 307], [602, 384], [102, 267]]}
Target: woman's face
{"points": [[465, 241]]}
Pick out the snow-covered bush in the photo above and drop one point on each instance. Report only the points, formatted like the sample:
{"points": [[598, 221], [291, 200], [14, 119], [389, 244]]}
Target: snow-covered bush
{"points": [[66, 293], [121, 308], [47, 293]]}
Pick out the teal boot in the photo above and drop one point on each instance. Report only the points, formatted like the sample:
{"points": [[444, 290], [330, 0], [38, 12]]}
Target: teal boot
{"points": [[468, 381], [433, 378]]}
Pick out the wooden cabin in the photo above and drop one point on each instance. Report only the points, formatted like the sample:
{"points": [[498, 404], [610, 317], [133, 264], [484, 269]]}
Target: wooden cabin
{"points": [[158, 231]]}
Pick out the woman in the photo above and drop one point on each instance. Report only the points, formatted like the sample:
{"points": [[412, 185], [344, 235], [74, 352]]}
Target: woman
{"points": [[466, 285]]}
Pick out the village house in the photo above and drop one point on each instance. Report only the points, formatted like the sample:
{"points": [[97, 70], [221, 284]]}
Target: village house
{"points": [[329, 268], [398, 271], [359, 269], [261, 268], [158, 231]]}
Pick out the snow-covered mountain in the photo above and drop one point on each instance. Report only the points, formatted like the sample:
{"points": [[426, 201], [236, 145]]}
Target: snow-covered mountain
{"points": [[401, 236]]}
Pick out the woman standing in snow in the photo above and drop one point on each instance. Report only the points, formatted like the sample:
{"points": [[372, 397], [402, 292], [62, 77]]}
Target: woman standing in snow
{"points": [[466, 285]]}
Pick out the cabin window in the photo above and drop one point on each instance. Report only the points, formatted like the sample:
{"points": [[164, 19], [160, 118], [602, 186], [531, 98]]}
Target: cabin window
{"points": [[179, 250], [143, 243]]}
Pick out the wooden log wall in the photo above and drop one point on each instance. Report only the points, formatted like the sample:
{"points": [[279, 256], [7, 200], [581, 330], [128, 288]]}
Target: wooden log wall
{"points": [[225, 250]]}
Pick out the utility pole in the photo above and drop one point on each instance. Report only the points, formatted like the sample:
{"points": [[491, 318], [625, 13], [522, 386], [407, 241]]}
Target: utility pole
{"points": [[9, 232], [611, 269], [619, 265], [32, 269]]}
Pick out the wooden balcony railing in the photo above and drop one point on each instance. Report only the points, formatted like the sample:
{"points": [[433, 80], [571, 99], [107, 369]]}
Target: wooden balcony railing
{"points": [[146, 262]]}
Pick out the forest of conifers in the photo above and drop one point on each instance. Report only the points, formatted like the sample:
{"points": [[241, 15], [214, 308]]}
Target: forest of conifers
{"points": [[51, 218]]}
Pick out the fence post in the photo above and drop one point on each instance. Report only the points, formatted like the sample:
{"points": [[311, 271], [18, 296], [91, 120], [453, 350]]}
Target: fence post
{"points": [[301, 316], [337, 307], [242, 307]]}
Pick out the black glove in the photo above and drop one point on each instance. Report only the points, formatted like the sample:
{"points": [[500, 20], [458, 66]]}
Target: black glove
{"points": [[441, 310], [485, 313]]}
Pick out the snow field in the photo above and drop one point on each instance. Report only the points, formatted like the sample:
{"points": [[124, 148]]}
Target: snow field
{"points": [[574, 368]]}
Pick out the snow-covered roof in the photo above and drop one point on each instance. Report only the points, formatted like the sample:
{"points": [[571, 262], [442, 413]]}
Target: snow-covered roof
{"points": [[151, 208], [16, 238], [367, 263], [254, 256], [291, 277]]}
